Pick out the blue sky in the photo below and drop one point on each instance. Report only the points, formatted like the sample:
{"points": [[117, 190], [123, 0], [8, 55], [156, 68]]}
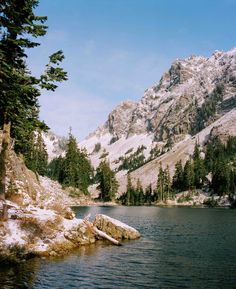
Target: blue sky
{"points": [[115, 49]]}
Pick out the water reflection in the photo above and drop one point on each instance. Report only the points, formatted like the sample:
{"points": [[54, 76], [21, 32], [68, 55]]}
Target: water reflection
{"points": [[179, 248], [20, 276]]}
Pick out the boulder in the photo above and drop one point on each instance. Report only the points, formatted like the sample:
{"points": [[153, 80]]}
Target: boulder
{"points": [[80, 235], [115, 228]]}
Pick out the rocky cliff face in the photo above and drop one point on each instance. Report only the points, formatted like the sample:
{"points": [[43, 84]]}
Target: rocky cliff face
{"points": [[193, 94], [169, 108], [195, 99]]}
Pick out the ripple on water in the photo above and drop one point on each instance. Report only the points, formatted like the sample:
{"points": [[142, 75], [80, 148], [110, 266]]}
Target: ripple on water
{"points": [[179, 248]]}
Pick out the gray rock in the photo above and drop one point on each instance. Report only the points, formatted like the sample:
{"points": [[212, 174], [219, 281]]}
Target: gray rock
{"points": [[115, 228], [80, 235]]}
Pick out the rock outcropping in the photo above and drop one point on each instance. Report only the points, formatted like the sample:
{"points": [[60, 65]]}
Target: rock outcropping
{"points": [[39, 220], [169, 108], [115, 228]]}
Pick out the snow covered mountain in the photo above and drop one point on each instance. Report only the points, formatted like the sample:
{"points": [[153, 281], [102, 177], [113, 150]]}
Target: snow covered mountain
{"points": [[193, 101], [190, 96], [55, 144]]}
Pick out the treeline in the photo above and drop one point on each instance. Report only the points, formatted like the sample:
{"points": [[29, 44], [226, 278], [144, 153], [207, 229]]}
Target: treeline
{"points": [[216, 172], [133, 160], [208, 109], [72, 170], [75, 170]]}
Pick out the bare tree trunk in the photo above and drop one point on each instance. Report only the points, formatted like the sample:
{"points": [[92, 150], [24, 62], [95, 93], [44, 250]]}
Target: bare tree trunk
{"points": [[4, 156], [101, 233]]}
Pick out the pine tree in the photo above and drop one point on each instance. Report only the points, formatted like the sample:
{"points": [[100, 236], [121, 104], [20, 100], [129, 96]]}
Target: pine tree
{"points": [[71, 163], [37, 158], [209, 158], [56, 169], [129, 195], [76, 166], [167, 178], [221, 177], [148, 195], [188, 176], [108, 184], [160, 184], [19, 90], [178, 178], [140, 193]]}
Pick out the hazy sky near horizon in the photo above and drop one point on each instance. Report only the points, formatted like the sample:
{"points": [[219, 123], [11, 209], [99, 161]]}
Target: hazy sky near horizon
{"points": [[115, 49]]}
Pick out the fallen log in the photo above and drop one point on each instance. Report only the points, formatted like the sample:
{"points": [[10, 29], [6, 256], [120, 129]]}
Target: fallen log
{"points": [[101, 233], [105, 236]]}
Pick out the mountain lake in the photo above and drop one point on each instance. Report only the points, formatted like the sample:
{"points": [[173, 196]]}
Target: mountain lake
{"points": [[180, 247]]}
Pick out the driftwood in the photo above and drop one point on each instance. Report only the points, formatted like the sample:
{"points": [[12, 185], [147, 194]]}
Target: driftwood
{"points": [[100, 233]]}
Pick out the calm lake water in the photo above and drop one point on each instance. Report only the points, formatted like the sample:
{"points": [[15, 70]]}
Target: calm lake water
{"points": [[179, 248]]}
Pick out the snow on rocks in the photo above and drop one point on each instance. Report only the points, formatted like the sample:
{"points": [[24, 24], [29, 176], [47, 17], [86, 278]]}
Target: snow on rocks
{"points": [[115, 228]]}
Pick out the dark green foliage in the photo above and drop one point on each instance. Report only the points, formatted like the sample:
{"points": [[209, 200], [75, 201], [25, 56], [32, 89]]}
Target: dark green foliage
{"points": [[74, 170], [36, 158], [178, 178], [220, 177], [163, 189], [113, 140], [97, 147], [134, 160], [19, 90], [129, 151], [104, 155], [155, 152], [188, 176], [56, 169], [209, 157], [208, 109], [219, 162], [134, 196], [160, 184], [211, 202], [108, 184]]}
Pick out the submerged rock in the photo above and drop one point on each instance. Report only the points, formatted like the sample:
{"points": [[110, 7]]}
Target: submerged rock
{"points": [[115, 228]]}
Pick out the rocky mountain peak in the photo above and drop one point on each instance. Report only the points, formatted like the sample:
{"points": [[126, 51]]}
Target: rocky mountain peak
{"points": [[191, 95], [119, 118]]}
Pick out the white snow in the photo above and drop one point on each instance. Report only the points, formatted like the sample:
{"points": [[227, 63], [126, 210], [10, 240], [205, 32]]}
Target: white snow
{"points": [[118, 223], [15, 234]]}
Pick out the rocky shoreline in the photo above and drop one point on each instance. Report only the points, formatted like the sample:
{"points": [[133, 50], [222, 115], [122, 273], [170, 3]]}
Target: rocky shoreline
{"points": [[35, 232]]}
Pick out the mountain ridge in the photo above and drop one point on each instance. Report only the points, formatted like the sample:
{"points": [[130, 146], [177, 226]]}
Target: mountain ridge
{"points": [[191, 96]]}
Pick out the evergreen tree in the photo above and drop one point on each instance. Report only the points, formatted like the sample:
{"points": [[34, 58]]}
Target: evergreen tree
{"points": [[167, 188], [37, 158], [209, 158], [178, 178], [19, 90], [108, 184], [71, 166], [76, 166], [221, 178], [160, 184], [56, 170], [188, 176], [148, 195], [140, 194], [129, 195]]}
